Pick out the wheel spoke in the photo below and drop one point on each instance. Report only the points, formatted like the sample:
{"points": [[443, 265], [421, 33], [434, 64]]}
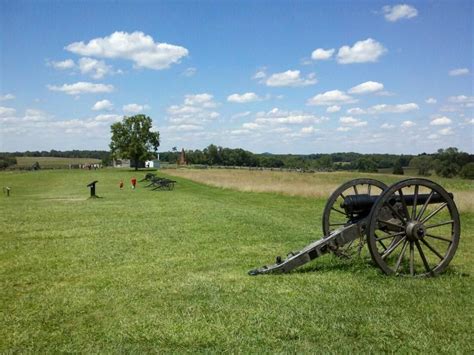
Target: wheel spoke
{"points": [[355, 189], [400, 217], [390, 224], [404, 203], [432, 249], [425, 205], [343, 197], [415, 200], [412, 259], [432, 214], [337, 224], [439, 224], [400, 257], [382, 244], [369, 187], [390, 236], [392, 248], [425, 262], [335, 209], [440, 238]]}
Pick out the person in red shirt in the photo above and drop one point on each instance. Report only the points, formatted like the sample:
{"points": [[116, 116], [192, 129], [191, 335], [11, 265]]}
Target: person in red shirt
{"points": [[134, 183]]}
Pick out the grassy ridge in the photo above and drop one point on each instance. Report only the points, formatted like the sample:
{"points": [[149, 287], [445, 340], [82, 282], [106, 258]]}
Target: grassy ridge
{"points": [[53, 162], [162, 271]]}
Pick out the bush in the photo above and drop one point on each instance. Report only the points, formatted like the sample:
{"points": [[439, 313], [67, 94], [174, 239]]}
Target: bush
{"points": [[6, 161], [467, 172], [398, 168]]}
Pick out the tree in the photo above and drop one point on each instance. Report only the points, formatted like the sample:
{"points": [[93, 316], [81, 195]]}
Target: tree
{"points": [[424, 163], [398, 167], [367, 165], [467, 171], [133, 139]]}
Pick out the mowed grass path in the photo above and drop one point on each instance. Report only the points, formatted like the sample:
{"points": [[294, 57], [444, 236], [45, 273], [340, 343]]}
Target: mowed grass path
{"points": [[143, 271]]}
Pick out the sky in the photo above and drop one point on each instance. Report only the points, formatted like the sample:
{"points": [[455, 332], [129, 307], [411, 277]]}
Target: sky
{"points": [[268, 76]]}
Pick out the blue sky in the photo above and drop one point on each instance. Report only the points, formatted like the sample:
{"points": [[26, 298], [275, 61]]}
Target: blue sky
{"points": [[267, 76]]}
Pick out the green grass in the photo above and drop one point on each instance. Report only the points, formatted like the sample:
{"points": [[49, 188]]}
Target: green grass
{"points": [[142, 271]]}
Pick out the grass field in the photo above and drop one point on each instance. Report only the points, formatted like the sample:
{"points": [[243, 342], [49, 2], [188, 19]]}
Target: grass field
{"points": [[142, 271], [53, 162]]}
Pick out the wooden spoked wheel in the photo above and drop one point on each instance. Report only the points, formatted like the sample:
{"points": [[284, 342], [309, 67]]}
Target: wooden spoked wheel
{"points": [[414, 229], [335, 217]]}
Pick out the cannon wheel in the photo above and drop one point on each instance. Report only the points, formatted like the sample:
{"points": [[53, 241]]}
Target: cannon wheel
{"points": [[418, 240], [335, 217]]}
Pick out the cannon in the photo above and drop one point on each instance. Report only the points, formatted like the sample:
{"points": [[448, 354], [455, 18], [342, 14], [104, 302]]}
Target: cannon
{"points": [[411, 228]]}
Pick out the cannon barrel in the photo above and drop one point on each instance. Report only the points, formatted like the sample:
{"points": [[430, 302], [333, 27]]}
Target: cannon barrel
{"points": [[362, 204]]}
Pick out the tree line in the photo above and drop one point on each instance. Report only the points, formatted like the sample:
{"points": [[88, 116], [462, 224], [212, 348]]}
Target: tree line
{"points": [[448, 162]]}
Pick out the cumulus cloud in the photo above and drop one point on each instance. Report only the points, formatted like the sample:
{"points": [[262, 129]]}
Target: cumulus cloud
{"points": [[62, 65], [461, 99], [184, 128], [446, 131], [322, 54], [243, 98], [387, 126], [356, 111], [407, 124], [441, 121], [102, 105], [351, 121], [7, 97], [459, 72], [277, 116], [7, 111], [97, 69], [195, 110], [366, 88], [82, 87], [431, 100], [331, 98], [290, 78], [108, 118], [361, 52], [259, 75], [136, 46], [399, 12], [332, 109], [400, 108], [135, 108], [308, 130], [343, 129]]}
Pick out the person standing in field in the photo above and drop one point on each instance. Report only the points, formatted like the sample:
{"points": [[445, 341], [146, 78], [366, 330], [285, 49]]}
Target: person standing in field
{"points": [[121, 184], [134, 183]]}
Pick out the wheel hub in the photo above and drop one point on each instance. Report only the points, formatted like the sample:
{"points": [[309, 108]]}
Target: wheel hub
{"points": [[415, 230]]}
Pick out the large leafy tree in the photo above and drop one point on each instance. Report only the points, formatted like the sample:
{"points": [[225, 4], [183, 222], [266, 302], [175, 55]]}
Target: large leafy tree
{"points": [[133, 139]]}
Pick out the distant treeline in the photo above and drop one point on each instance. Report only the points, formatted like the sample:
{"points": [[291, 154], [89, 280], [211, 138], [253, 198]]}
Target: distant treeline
{"points": [[448, 162]]}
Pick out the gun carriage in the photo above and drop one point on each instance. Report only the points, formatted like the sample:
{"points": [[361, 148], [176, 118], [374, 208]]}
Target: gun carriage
{"points": [[411, 228]]}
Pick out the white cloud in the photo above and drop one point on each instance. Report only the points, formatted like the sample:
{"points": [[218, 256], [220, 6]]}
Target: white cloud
{"points": [[399, 12], [189, 72], [461, 99], [431, 100], [291, 78], [108, 118], [356, 111], [277, 116], [259, 75], [441, 121], [351, 121], [62, 65], [243, 98], [308, 130], [7, 111], [446, 131], [332, 109], [102, 105], [195, 110], [135, 108], [82, 87], [400, 108], [137, 47], [459, 71], [387, 126], [185, 128], [366, 88], [343, 129], [433, 136], [250, 125], [322, 54], [241, 114], [361, 52], [97, 69], [331, 98], [407, 124], [7, 97], [239, 132]]}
